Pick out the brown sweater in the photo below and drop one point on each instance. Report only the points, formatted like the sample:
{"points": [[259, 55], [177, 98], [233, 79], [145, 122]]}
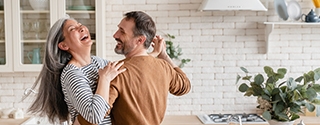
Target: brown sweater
{"points": [[138, 96]]}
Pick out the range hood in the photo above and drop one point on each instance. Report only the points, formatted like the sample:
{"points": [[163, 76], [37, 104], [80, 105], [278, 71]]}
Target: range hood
{"points": [[254, 5]]}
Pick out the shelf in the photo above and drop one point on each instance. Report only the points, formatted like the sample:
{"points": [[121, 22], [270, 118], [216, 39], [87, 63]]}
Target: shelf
{"points": [[33, 41], [291, 23], [80, 11], [270, 26], [35, 11], [36, 41]]}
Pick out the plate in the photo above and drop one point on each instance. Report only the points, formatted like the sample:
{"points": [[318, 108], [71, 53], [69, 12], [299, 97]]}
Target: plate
{"points": [[281, 9], [294, 10], [81, 8]]}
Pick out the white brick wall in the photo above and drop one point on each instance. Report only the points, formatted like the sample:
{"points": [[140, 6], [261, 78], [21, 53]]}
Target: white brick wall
{"points": [[217, 42]]}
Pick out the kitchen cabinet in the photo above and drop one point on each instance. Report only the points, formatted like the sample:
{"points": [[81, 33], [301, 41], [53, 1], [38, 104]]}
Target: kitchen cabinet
{"points": [[270, 26], [6, 55], [27, 26]]}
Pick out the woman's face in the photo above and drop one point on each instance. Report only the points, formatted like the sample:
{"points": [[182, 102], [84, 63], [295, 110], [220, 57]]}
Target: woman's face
{"points": [[77, 37]]}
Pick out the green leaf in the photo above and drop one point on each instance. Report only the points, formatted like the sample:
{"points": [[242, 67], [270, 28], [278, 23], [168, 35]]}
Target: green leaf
{"points": [[294, 116], [269, 88], [296, 95], [310, 107], [238, 78], [266, 92], [282, 72], [246, 78], [175, 52], [271, 80], [185, 60], [316, 101], [243, 87], [283, 116], [299, 79], [275, 91], [294, 107], [317, 74], [291, 84], [266, 97], [266, 115], [244, 69], [249, 92], [303, 93], [283, 97], [259, 79], [269, 71], [257, 89], [311, 94], [316, 87], [308, 77]]}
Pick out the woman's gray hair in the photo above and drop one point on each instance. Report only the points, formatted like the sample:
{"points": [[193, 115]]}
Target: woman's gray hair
{"points": [[50, 98]]}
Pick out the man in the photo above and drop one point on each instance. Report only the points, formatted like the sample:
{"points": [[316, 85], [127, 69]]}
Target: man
{"points": [[139, 95]]}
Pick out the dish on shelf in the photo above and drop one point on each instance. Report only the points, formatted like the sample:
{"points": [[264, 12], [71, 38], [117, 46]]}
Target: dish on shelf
{"points": [[294, 10], [81, 8], [281, 9], [39, 4]]}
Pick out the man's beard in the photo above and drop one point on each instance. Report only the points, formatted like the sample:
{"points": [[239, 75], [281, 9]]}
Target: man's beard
{"points": [[117, 49]]}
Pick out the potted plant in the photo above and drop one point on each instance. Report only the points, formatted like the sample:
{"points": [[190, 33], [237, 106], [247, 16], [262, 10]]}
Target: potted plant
{"points": [[281, 100], [175, 52]]}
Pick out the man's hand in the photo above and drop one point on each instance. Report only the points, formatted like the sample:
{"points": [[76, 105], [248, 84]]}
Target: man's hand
{"points": [[159, 45]]}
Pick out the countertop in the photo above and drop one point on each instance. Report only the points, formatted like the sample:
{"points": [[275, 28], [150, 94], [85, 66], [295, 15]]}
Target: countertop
{"points": [[178, 120], [193, 120], [11, 121]]}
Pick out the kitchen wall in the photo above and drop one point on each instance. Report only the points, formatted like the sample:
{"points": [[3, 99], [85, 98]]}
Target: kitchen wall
{"points": [[217, 42]]}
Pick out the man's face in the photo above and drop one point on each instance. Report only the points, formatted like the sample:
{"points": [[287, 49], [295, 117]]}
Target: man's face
{"points": [[126, 42]]}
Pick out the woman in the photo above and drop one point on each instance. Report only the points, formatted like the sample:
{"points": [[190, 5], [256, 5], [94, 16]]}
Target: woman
{"points": [[71, 80]]}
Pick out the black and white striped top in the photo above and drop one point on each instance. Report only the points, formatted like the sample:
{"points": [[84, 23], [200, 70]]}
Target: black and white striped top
{"points": [[79, 86]]}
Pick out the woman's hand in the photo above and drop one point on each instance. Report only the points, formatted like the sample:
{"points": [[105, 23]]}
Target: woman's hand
{"points": [[106, 75], [110, 71]]}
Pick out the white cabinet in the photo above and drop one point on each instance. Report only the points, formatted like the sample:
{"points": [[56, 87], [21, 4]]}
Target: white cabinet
{"points": [[6, 44], [27, 27]]}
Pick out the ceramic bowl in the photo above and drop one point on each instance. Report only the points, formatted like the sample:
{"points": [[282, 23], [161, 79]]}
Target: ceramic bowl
{"points": [[6, 112], [39, 4]]}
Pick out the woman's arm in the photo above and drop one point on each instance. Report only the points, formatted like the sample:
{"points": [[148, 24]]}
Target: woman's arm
{"points": [[92, 106], [106, 75]]}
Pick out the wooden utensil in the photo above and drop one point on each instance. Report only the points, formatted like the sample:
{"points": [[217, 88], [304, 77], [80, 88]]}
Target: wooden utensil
{"points": [[316, 3]]}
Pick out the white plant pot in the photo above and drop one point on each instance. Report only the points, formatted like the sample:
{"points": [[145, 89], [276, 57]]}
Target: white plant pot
{"points": [[274, 122], [39, 4]]}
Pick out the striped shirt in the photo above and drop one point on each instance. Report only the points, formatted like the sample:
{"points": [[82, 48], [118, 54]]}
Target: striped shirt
{"points": [[79, 86]]}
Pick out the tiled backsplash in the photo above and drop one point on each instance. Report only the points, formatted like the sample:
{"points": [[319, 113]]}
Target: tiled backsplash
{"points": [[217, 42]]}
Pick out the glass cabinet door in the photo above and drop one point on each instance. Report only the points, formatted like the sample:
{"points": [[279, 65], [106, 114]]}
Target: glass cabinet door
{"points": [[2, 36], [34, 26], [6, 56], [30, 21], [84, 12], [91, 14], [33, 17]]}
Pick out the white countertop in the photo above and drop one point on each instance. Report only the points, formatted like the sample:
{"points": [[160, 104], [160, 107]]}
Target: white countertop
{"points": [[177, 120]]}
